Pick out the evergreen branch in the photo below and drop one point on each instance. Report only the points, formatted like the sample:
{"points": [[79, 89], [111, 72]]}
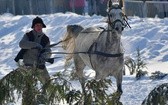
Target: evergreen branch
{"points": [[10, 83]]}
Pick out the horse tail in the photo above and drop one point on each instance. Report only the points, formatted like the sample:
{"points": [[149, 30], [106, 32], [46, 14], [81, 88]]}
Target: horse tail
{"points": [[69, 40]]}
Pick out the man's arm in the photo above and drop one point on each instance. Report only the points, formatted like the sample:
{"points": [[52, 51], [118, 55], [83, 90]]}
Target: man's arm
{"points": [[26, 44]]}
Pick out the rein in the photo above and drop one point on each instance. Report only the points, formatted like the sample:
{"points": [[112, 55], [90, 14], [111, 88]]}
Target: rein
{"points": [[52, 45], [89, 51], [95, 52]]}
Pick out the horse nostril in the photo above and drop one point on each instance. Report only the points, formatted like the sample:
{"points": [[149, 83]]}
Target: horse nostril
{"points": [[117, 28]]}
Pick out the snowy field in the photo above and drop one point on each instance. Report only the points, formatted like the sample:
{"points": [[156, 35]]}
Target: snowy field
{"points": [[148, 34]]}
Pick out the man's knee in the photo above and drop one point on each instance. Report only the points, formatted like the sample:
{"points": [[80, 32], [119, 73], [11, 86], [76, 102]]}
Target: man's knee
{"points": [[43, 76]]}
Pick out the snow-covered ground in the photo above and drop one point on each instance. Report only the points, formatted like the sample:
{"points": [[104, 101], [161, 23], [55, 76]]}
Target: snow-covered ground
{"points": [[148, 34]]}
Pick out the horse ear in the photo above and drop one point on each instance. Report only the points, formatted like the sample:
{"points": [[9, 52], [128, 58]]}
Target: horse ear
{"points": [[109, 4], [121, 3], [69, 28]]}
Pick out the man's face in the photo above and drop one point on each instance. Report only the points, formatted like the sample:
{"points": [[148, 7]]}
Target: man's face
{"points": [[38, 27]]}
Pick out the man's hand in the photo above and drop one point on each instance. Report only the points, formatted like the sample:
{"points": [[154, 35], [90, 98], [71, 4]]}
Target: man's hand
{"points": [[38, 46]]}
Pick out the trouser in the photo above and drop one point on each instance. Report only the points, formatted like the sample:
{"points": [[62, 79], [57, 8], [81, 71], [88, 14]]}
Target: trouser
{"points": [[29, 96], [43, 75], [40, 72]]}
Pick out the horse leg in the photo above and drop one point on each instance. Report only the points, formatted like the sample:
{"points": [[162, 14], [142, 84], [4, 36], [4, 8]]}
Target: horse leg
{"points": [[119, 81], [100, 74], [79, 66]]}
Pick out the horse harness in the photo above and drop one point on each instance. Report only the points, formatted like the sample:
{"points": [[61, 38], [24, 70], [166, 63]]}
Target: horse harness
{"points": [[90, 52], [112, 24]]}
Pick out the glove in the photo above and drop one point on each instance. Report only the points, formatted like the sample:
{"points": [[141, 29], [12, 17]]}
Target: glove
{"points": [[50, 60], [41, 60], [38, 46]]}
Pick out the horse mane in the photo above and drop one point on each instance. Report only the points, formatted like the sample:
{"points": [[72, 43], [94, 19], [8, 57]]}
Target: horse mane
{"points": [[68, 43]]}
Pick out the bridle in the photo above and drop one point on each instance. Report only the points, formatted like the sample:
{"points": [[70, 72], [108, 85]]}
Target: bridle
{"points": [[123, 22]]}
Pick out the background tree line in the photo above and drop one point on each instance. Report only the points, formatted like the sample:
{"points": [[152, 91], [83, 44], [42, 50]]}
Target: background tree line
{"points": [[141, 8]]}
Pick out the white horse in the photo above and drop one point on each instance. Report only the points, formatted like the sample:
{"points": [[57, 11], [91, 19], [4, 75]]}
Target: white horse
{"points": [[100, 49]]}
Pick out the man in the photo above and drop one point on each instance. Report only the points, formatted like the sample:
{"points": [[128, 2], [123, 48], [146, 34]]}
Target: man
{"points": [[36, 44], [34, 52]]}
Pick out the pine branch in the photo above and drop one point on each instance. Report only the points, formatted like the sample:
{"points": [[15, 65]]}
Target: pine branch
{"points": [[11, 82]]}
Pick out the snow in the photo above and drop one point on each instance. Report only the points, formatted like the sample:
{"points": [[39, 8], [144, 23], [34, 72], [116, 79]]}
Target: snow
{"points": [[150, 35]]}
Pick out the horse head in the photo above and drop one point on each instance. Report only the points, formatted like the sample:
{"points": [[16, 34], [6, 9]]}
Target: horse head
{"points": [[74, 30], [116, 17]]}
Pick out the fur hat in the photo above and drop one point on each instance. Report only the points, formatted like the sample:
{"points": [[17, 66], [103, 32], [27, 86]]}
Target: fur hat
{"points": [[37, 20]]}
